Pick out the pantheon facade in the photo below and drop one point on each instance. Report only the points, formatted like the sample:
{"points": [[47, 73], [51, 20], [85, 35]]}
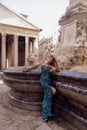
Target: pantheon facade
{"points": [[18, 39]]}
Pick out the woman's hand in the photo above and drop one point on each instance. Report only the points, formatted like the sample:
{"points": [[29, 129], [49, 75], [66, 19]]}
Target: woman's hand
{"points": [[31, 67], [53, 90], [25, 70], [52, 68]]}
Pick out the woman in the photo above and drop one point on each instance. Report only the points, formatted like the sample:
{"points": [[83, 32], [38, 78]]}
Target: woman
{"points": [[46, 82]]}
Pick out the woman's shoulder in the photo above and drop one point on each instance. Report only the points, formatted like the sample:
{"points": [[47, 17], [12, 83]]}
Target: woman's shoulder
{"points": [[45, 63]]}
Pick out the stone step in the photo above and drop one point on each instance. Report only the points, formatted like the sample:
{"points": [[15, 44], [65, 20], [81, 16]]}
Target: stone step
{"points": [[1, 74], [61, 125]]}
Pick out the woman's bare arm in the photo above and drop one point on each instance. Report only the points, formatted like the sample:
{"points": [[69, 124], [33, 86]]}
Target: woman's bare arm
{"points": [[37, 65], [32, 67], [54, 67]]}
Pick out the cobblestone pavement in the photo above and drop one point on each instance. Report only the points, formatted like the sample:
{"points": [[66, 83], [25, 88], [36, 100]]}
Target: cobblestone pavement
{"points": [[12, 118]]}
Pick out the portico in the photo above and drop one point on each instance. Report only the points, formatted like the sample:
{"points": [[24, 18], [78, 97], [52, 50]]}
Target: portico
{"points": [[17, 40]]}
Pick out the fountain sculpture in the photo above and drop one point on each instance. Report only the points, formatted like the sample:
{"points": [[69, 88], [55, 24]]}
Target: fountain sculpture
{"points": [[72, 49]]}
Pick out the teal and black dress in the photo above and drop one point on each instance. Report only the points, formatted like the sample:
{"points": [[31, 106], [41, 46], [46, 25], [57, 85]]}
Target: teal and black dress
{"points": [[47, 83]]}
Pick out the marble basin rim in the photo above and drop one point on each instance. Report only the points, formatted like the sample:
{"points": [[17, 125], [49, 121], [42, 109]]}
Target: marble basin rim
{"points": [[16, 79], [25, 90]]}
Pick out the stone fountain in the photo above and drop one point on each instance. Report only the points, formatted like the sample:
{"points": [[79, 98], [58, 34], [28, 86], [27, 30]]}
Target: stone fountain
{"points": [[70, 100], [71, 85], [25, 92], [72, 48]]}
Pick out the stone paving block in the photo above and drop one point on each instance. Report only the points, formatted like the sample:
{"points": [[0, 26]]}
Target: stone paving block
{"points": [[24, 128], [43, 126], [8, 128]]}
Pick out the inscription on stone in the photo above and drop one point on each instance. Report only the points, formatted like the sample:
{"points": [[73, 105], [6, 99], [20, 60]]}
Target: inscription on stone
{"points": [[69, 34]]}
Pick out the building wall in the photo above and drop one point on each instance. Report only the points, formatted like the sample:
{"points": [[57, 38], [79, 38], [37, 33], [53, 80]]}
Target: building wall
{"points": [[44, 45]]}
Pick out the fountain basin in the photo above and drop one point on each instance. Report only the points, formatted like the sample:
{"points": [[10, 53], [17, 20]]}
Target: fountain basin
{"points": [[72, 85], [26, 92], [70, 99]]}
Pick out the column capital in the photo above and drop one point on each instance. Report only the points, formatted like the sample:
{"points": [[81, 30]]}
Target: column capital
{"points": [[16, 36], [26, 39], [3, 34]]}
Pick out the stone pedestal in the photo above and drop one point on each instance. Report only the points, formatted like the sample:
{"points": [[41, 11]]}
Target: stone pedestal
{"points": [[73, 33]]}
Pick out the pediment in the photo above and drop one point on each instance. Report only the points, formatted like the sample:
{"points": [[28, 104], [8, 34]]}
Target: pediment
{"points": [[10, 17]]}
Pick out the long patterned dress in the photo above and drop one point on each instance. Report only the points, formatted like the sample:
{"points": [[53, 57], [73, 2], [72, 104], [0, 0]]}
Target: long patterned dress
{"points": [[46, 83]]}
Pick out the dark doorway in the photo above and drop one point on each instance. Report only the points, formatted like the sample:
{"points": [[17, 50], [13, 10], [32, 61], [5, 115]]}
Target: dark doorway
{"points": [[21, 51], [0, 50]]}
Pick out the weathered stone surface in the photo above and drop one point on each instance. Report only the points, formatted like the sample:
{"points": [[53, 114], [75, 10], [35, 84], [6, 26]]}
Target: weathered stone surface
{"points": [[71, 97], [72, 49], [12, 118], [69, 33], [26, 92], [43, 126]]}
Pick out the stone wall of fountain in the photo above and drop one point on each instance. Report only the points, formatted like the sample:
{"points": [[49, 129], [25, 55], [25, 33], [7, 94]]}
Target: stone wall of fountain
{"points": [[70, 100], [25, 92], [71, 97]]}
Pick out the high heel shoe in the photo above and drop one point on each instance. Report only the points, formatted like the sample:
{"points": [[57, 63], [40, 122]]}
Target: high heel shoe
{"points": [[45, 119]]}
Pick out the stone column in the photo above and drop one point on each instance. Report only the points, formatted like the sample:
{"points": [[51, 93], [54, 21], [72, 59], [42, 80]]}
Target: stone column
{"points": [[26, 50], [36, 49], [36, 45], [3, 51], [31, 47], [15, 50]]}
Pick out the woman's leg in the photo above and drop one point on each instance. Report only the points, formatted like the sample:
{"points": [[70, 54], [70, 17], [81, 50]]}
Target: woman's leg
{"points": [[53, 91], [47, 103]]}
